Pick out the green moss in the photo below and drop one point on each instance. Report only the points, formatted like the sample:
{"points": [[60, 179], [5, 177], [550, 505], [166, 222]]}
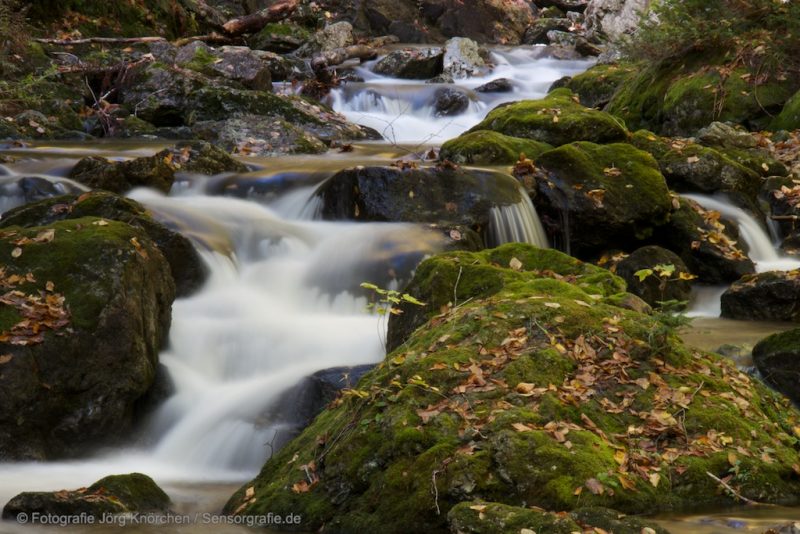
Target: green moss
{"points": [[494, 518], [556, 119], [201, 61], [789, 117], [136, 491], [490, 148], [597, 85], [518, 397]]}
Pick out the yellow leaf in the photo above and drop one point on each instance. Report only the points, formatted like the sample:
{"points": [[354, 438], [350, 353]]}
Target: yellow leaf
{"points": [[732, 459], [16, 253], [399, 360], [478, 507], [515, 264], [655, 478], [49, 286], [578, 491], [524, 388], [692, 159], [621, 457]]}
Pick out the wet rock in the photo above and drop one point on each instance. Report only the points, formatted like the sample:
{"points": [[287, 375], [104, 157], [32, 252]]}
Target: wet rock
{"points": [[612, 19], [564, 5], [499, 85], [298, 406], [540, 446], [537, 32], [416, 64], [490, 148], [432, 195], [706, 244], [448, 102], [332, 36], [105, 290], [463, 58], [664, 283], [590, 195], [556, 119], [777, 358], [35, 188], [115, 494], [772, 296], [122, 176], [187, 268]]}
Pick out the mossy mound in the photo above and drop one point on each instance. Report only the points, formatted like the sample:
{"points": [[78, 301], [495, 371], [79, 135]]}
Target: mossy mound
{"points": [[85, 310], [557, 119], [674, 98], [777, 358], [540, 392], [789, 117], [596, 86], [187, 267], [485, 147], [115, 494], [591, 195]]}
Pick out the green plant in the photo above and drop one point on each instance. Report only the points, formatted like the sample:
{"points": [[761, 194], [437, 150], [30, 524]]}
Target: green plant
{"points": [[386, 302]]}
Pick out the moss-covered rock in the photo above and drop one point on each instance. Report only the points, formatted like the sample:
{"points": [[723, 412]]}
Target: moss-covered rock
{"points": [[556, 119], [789, 117], [85, 313], [539, 392], [771, 296], [280, 37], [444, 195], [495, 518], [485, 147], [591, 195], [680, 98], [707, 246], [122, 176], [187, 267], [114, 494], [777, 358], [597, 85]]}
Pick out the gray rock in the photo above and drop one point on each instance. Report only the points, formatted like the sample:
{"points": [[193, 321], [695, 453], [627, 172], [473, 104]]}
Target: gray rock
{"points": [[537, 32], [719, 134], [500, 85], [414, 64], [449, 102], [463, 58], [614, 18]]}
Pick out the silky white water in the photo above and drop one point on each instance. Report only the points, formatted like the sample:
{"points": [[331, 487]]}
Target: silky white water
{"points": [[282, 300], [403, 112], [761, 249]]}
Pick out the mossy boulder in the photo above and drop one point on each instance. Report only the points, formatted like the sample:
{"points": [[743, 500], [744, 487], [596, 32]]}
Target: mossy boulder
{"points": [[280, 37], [596, 86], [445, 195], [771, 296], [187, 267], [708, 246], [237, 64], [485, 147], [668, 279], [86, 311], [674, 98], [789, 117], [591, 195], [777, 358], [114, 494], [539, 392], [557, 119]]}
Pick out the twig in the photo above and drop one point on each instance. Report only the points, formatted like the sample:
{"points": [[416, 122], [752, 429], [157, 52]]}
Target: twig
{"points": [[271, 444], [735, 493], [455, 287], [435, 491]]}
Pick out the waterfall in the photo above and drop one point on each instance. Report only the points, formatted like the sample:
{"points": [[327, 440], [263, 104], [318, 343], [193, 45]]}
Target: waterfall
{"points": [[762, 250], [516, 223]]}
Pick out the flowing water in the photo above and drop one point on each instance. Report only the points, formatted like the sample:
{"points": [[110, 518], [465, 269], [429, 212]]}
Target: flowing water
{"points": [[282, 300]]}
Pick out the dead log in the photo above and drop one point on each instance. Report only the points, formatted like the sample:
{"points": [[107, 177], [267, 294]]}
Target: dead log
{"points": [[211, 38], [103, 40], [255, 21], [337, 56]]}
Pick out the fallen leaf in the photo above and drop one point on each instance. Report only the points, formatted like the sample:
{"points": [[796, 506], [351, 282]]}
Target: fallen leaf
{"points": [[692, 159], [5, 358], [515, 264], [478, 507], [595, 486], [16, 253], [654, 478], [552, 304]]}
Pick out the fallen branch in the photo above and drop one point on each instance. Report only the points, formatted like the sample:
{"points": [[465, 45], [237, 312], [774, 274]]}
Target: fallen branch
{"points": [[734, 492], [107, 40], [255, 21], [122, 67], [337, 56], [213, 37]]}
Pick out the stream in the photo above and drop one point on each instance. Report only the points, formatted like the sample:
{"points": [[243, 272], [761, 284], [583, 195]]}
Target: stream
{"points": [[282, 299]]}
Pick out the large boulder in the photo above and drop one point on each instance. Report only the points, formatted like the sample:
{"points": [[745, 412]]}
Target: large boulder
{"points": [[596, 86], [556, 119], [540, 390], [486, 21], [485, 147], [86, 309], [463, 58], [442, 195], [613, 19], [235, 63], [187, 267], [591, 195], [707, 245], [114, 494], [772, 296], [777, 358], [656, 275], [411, 63]]}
